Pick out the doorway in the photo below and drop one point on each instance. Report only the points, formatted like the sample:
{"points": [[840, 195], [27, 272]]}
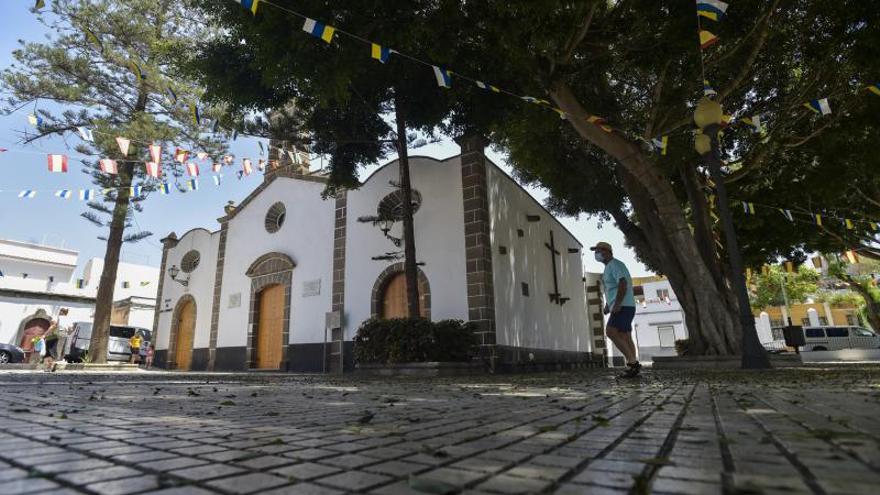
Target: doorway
{"points": [[394, 298], [33, 328], [186, 324], [270, 327]]}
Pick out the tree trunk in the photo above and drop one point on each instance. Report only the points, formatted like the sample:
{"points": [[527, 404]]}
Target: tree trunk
{"points": [[410, 267], [104, 300], [872, 307], [713, 323]]}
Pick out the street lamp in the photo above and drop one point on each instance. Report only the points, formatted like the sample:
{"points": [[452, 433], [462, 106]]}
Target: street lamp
{"points": [[708, 116]]}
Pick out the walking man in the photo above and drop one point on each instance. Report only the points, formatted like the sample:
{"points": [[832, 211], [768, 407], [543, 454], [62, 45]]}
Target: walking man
{"points": [[621, 304]]}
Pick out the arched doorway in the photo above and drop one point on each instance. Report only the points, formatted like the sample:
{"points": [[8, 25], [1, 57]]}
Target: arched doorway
{"points": [[32, 328], [389, 294], [183, 340], [269, 328], [394, 299]]}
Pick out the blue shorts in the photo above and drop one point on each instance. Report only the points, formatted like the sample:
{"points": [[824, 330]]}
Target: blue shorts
{"points": [[623, 319]]}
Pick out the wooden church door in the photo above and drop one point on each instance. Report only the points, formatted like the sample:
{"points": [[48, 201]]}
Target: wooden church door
{"points": [[394, 298], [186, 325], [270, 325]]}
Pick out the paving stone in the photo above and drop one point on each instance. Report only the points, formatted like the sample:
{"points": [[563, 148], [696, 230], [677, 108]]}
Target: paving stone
{"points": [[265, 462], [125, 486], [101, 474], [248, 483], [396, 468], [181, 490], [348, 461], [206, 472], [572, 489], [513, 485], [354, 480], [71, 466], [303, 489], [684, 487], [305, 471], [175, 463]]}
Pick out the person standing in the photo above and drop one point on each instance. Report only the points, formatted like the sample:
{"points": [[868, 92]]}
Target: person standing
{"points": [[620, 303], [149, 361], [134, 344], [50, 345]]}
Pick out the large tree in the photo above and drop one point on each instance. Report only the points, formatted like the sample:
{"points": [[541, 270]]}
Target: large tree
{"points": [[634, 62], [106, 66]]}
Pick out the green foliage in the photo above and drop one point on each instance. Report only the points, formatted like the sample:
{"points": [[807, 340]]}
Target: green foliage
{"points": [[413, 340], [798, 286], [682, 347], [842, 299]]}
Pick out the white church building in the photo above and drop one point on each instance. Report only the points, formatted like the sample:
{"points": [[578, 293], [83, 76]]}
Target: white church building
{"points": [[288, 277]]}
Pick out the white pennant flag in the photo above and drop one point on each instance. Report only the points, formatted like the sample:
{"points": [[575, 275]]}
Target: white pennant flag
{"points": [[123, 145], [201, 155], [86, 134], [154, 169], [156, 153], [108, 166]]}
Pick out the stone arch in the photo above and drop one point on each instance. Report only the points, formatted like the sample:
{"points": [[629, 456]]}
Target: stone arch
{"points": [[171, 361], [39, 314], [269, 269], [270, 263], [382, 281]]}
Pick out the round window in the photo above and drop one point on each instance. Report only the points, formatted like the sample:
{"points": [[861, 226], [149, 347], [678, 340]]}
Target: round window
{"points": [[190, 261], [275, 217]]}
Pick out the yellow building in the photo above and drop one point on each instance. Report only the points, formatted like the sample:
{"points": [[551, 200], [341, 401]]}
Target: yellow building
{"points": [[825, 314]]}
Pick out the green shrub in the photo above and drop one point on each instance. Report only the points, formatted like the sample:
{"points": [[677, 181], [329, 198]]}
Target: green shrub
{"points": [[682, 347], [413, 340]]}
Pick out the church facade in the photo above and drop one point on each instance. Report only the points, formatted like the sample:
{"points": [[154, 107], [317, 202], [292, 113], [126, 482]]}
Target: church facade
{"points": [[288, 278]]}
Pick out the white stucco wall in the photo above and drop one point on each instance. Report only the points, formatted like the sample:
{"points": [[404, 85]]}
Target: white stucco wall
{"points": [[200, 286], [13, 310], [306, 236], [653, 312], [439, 236], [533, 321]]}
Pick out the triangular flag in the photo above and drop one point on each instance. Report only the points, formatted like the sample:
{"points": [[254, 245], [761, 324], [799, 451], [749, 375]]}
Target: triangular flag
{"points": [[660, 144], [787, 214], [215, 167], [250, 5], [848, 223], [125, 284], [39, 4], [482, 85], [708, 90], [748, 207], [819, 106], [851, 257], [145, 283], [192, 184], [711, 9], [201, 155], [86, 194], [789, 267], [123, 145], [64, 193], [228, 159], [165, 188], [707, 39], [35, 120], [443, 76], [194, 111], [136, 70], [319, 30], [156, 153], [192, 169], [135, 191], [80, 283], [246, 166], [108, 166], [380, 53], [57, 163], [92, 38], [86, 134], [154, 169], [294, 158], [599, 121], [818, 219], [27, 193], [874, 88], [180, 155]]}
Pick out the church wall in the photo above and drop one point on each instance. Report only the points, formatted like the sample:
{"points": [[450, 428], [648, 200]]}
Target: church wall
{"points": [[439, 233], [532, 323], [306, 236], [199, 286]]}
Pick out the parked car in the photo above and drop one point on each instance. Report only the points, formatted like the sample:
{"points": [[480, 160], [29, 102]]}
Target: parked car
{"points": [[10, 353], [836, 338], [117, 347]]}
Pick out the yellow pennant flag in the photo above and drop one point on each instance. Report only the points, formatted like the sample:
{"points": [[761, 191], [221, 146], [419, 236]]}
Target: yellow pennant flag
{"points": [[849, 224], [851, 257], [707, 39], [818, 219]]}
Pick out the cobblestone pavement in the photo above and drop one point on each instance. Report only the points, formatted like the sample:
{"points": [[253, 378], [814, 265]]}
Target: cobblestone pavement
{"points": [[797, 431]]}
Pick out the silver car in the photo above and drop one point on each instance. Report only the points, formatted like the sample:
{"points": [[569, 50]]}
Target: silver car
{"points": [[836, 338]]}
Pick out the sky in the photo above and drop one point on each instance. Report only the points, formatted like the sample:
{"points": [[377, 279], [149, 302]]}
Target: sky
{"points": [[54, 221]]}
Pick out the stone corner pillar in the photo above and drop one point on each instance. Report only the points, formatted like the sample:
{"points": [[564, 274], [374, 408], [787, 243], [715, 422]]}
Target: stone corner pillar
{"points": [[478, 248], [169, 242], [218, 287]]}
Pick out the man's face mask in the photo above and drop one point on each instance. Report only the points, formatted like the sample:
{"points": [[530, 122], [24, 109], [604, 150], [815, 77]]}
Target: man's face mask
{"points": [[600, 256]]}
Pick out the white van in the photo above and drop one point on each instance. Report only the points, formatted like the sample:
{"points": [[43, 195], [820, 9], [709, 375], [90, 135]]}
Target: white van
{"points": [[117, 347], [836, 338]]}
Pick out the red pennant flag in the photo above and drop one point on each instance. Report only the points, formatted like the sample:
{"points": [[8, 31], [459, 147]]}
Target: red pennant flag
{"points": [[192, 169], [180, 155], [57, 163], [201, 155], [154, 169], [108, 166], [215, 167], [156, 153], [123, 145]]}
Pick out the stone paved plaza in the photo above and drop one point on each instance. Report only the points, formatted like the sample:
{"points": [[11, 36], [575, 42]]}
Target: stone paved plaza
{"points": [[808, 430]]}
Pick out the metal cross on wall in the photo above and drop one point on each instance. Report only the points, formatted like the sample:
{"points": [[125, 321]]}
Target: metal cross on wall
{"points": [[555, 296]]}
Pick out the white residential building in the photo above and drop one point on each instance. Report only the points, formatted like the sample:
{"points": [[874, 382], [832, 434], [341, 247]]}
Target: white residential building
{"points": [[39, 284]]}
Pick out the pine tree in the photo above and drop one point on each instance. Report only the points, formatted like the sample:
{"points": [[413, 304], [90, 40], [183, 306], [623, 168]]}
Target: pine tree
{"points": [[108, 67]]}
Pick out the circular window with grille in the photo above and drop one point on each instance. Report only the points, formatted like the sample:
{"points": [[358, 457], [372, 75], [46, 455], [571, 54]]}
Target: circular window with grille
{"points": [[275, 217], [190, 261], [391, 206]]}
